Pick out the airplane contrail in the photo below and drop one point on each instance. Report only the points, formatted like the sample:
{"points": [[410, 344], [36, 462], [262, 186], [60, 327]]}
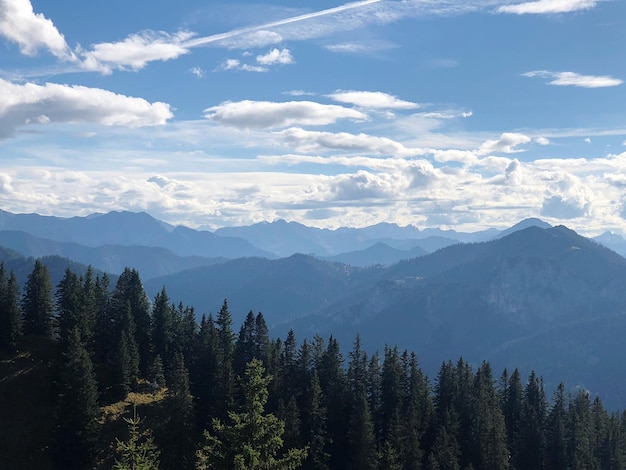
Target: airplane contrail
{"points": [[307, 16]]}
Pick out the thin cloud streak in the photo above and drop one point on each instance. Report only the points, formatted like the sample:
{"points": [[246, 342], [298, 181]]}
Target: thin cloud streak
{"points": [[295, 19]]}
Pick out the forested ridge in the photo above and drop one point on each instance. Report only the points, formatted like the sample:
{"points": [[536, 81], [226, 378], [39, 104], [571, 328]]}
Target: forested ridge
{"points": [[124, 381]]}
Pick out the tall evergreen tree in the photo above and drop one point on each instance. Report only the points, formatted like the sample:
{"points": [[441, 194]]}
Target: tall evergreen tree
{"points": [[314, 426], [176, 437], [245, 349], [37, 302], [10, 311], [581, 438], [361, 433], [71, 312], [226, 383], [77, 406], [532, 425], [488, 424], [556, 432], [163, 327], [253, 441], [129, 292]]}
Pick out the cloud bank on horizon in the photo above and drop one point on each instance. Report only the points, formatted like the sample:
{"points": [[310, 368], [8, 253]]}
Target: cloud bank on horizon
{"points": [[430, 112]]}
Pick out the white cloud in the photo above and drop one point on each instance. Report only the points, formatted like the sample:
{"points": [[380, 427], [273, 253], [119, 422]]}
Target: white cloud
{"points": [[304, 93], [356, 187], [253, 68], [364, 47], [587, 140], [252, 32], [135, 51], [308, 141], [31, 31], [275, 56], [251, 40], [547, 7], [371, 99], [197, 71], [542, 141], [575, 79], [507, 143], [54, 103], [266, 115]]}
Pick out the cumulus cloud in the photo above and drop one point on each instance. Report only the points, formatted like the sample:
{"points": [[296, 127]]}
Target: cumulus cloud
{"points": [[266, 115], [547, 6], [135, 51], [275, 56], [307, 141], [564, 207], [542, 141], [361, 185], [371, 99], [507, 143], [31, 31], [54, 103], [575, 79]]}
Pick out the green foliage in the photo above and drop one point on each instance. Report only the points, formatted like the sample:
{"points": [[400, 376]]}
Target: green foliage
{"points": [[10, 312], [253, 440], [138, 452], [37, 302], [77, 406]]}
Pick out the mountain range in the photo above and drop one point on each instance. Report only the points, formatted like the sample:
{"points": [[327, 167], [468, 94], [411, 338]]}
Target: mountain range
{"points": [[533, 296]]}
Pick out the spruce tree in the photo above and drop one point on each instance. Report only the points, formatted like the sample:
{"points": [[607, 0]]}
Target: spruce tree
{"points": [[130, 294], [226, 383], [361, 434], [77, 409], [163, 328], [253, 440], [10, 312], [176, 436], [71, 308], [314, 426], [37, 302], [556, 432], [138, 452], [532, 425]]}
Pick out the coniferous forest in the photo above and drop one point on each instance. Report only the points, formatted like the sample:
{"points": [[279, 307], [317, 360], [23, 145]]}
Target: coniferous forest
{"points": [[127, 382]]}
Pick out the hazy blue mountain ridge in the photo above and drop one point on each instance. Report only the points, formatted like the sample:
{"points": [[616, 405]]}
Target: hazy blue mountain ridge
{"points": [[149, 261]]}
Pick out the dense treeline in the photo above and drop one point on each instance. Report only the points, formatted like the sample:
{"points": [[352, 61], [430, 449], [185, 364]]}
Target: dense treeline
{"points": [[244, 400]]}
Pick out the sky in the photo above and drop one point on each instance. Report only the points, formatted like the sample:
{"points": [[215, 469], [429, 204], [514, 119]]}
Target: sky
{"points": [[436, 113]]}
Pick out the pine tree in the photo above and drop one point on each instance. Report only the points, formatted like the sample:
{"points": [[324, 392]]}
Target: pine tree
{"points": [[163, 327], [70, 304], [556, 437], [204, 373], [138, 452], [245, 349], [254, 439], [10, 312], [314, 426], [225, 384], [176, 436], [130, 294], [37, 302], [361, 433], [334, 389], [77, 406], [532, 425], [581, 440], [512, 409], [488, 423]]}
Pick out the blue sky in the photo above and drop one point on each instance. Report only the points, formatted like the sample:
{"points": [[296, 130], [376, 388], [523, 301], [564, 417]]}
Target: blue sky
{"points": [[436, 113]]}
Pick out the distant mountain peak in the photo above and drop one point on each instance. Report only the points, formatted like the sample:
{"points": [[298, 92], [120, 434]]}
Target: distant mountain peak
{"points": [[524, 224]]}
